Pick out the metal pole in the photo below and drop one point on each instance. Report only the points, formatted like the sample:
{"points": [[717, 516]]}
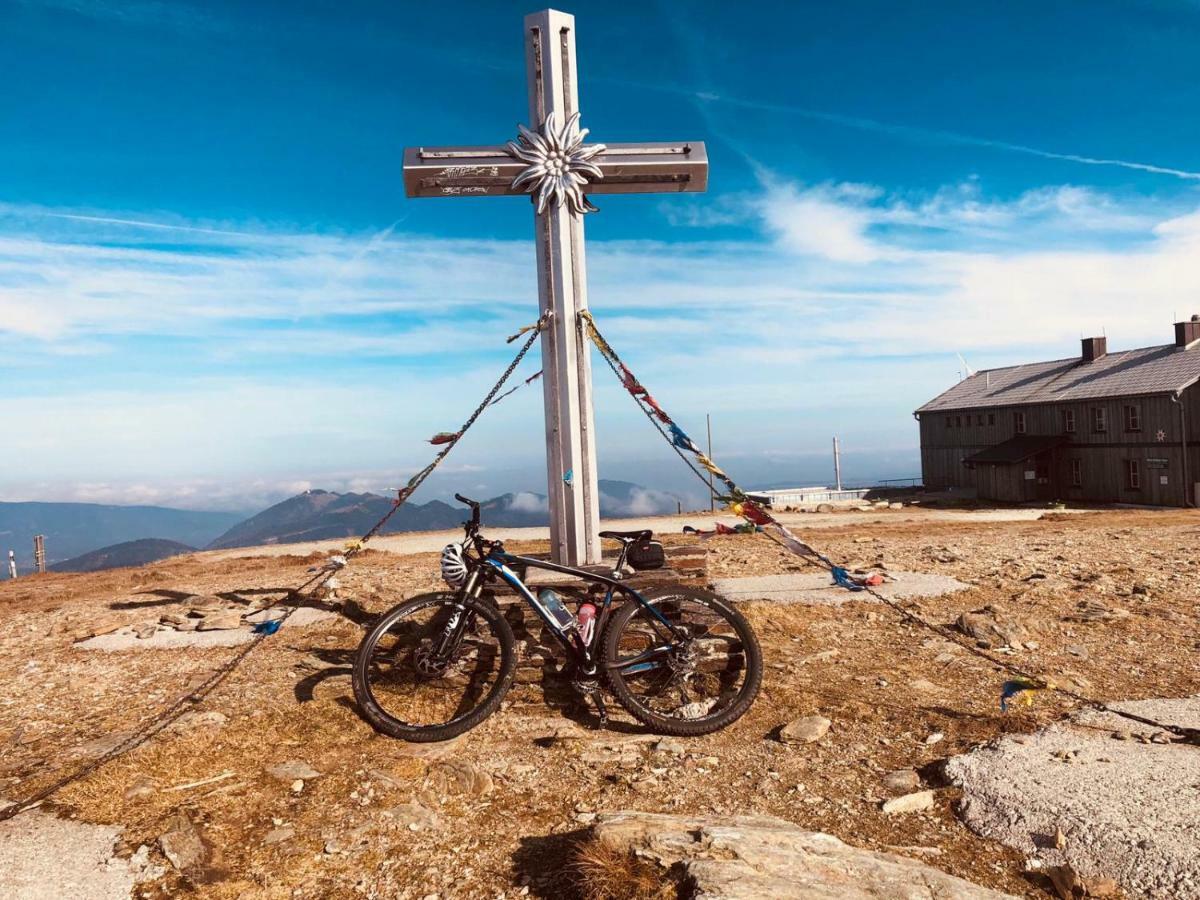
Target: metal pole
{"points": [[837, 463], [712, 493], [12, 564]]}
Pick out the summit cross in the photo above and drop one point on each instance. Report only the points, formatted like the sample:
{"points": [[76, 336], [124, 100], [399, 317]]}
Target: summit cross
{"points": [[550, 162]]}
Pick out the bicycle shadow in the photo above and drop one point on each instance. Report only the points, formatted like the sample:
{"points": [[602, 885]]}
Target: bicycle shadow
{"points": [[341, 663]]}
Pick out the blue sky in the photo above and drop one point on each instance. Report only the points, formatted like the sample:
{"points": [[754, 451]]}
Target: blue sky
{"points": [[213, 291]]}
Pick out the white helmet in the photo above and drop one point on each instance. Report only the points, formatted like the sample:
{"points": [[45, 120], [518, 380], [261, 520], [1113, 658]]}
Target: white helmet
{"points": [[454, 566]]}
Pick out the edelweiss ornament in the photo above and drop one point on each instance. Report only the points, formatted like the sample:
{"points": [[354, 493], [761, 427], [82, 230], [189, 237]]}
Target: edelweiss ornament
{"points": [[559, 163]]}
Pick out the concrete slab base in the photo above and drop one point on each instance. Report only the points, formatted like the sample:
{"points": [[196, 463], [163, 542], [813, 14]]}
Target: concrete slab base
{"points": [[1097, 793], [43, 857]]}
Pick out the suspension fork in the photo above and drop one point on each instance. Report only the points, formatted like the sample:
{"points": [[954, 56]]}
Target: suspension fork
{"points": [[460, 619]]}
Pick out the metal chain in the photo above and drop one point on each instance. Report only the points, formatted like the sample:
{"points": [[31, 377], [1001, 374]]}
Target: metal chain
{"points": [[174, 710], [417, 480], [1187, 735]]}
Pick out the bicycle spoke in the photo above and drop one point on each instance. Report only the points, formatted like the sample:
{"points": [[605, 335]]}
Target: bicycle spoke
{"points": [[418, 686], [700, 671]]}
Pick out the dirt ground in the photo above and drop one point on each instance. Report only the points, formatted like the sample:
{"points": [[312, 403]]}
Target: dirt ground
{"points": [[898, 697]]}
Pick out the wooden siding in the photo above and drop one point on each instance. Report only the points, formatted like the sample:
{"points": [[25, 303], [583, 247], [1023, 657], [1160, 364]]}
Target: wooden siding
{"points": [[1103, 455]]}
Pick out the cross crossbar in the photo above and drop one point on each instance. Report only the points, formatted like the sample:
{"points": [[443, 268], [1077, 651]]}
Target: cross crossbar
{"points": [[488, 171]]}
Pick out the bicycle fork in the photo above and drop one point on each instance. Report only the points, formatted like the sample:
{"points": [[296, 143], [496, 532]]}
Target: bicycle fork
{"points": [[461, 618]]}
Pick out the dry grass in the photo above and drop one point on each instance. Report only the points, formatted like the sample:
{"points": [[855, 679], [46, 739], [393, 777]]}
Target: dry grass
{"points": [[611, 873]]}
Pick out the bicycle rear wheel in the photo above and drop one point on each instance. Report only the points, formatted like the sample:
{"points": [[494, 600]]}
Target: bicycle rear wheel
{"points": [[434, 667], [689, 685]]}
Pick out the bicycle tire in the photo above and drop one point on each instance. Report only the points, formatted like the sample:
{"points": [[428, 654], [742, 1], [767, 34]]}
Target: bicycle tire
{"points": [[617, 683], [382, 721]]}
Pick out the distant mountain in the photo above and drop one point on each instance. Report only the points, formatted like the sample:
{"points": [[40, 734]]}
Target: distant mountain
{"points": [[75, 528], [129, 553], [323, 515]]}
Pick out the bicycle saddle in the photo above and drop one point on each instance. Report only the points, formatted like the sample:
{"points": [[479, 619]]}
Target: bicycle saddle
{"points": [[630, 536]]}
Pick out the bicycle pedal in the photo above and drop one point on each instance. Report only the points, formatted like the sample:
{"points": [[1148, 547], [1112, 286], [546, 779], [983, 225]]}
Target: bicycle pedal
{"points": [[601, 709]]}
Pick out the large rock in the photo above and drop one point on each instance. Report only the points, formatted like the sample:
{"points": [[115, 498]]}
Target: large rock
{"points": [[461, 777], [183, 845], [762, 857], [990, 628], [805, 731], [291, 770], [915, 802]]}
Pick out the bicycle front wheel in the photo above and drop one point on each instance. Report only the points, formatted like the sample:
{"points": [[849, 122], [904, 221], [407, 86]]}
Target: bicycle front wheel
{"points": [[693, 678], [434, 667]]}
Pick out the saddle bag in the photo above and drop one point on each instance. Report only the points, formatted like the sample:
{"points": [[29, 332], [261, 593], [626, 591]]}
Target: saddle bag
{"points": [[647, 555]]}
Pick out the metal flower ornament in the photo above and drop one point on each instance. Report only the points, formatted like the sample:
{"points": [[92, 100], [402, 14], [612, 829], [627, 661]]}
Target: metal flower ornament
{"points": [[560, 165]]}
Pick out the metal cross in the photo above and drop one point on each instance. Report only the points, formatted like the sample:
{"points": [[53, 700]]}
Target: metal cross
{"points": [[551, 162]]}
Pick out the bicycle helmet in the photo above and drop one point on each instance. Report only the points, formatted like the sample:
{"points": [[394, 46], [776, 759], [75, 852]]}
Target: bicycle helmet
{"points": [[454, 566]]}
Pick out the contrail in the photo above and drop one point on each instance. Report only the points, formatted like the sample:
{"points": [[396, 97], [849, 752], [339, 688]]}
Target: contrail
{"points": [[139, 223], [916, 134], [952, 137]]}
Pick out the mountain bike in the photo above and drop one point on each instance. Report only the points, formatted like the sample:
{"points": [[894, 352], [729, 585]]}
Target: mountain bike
{"points": [[681, 660]]}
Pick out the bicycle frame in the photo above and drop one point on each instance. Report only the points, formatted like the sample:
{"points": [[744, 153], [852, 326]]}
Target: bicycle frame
{"points": [[496, 563], [493, 562]]}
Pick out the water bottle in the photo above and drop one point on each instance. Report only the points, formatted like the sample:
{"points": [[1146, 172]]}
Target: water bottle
{"points": [[585, 621], [553, 606]]}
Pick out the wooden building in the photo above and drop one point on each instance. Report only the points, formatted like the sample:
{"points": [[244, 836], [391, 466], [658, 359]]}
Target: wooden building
{"points": [[1101, 427]]}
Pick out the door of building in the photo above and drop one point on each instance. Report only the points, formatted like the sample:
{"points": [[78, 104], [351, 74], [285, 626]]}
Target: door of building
{"points": [[1046, 488]]}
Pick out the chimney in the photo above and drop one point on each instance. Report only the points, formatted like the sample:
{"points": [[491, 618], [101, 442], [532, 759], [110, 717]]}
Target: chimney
{"points": [[1094, 348], [1187, 333]]}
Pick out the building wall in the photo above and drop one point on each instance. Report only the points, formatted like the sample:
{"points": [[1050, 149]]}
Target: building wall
{"points": [[1191, 405], [1103, 455]]}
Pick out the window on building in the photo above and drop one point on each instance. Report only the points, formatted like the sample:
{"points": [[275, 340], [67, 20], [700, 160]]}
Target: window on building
{"points": [[979, 419], [1099, 418], [958, 421], [1069, 421], [1133, 418], [1133, 474], [991, 418], [1019, 422], [947, 421], [1077, 473]]}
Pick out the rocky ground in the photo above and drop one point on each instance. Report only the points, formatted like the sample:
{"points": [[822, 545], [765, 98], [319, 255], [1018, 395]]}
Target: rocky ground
{"points": [[274, 787]]}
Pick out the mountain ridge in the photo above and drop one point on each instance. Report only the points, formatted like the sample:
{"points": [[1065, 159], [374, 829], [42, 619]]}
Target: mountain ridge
{"points": [[324, 515], [72, 529], [125, 554]]}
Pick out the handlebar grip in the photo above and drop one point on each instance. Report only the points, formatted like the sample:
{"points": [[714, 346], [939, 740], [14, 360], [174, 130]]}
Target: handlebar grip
{"points": [[474, 504]]}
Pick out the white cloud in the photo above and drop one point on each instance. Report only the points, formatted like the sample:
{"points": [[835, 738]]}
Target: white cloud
{"points": [[526, 502], [847, 316], [828, 221]]}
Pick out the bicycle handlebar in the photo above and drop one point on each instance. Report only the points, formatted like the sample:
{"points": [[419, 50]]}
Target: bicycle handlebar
{"points": [[474, 504]]}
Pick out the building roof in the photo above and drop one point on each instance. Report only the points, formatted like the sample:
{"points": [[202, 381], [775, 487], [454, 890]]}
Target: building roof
{"points": [[1017, 449], [1149, 370]]}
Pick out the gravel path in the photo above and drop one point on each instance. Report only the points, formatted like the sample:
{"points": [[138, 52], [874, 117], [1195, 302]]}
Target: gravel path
{"points": [[1127, 810], [817, 588], [432, 541]]}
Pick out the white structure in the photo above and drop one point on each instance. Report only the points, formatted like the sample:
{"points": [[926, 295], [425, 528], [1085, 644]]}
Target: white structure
{"points": [[804, 495], [551, 162]]}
